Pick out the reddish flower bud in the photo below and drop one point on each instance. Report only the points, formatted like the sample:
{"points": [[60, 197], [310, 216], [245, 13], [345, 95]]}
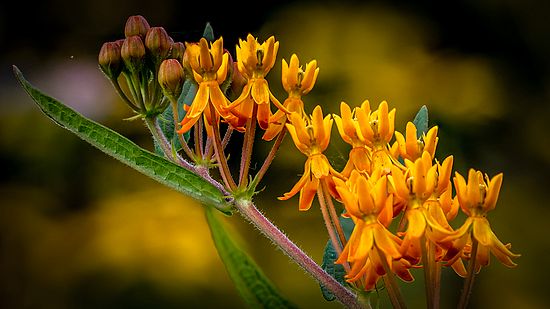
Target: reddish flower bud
{"points": [[158, 43], [171, 78], [136, 25], [110, 61], [133, 52], [177, 51]]}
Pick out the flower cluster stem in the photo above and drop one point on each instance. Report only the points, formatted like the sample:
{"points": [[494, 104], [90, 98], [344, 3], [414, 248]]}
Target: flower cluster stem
{"points": [[249, 211]]}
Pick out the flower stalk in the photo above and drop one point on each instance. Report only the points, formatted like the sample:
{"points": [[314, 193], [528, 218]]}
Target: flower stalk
{"points": [[469, 280], [249, 211]]}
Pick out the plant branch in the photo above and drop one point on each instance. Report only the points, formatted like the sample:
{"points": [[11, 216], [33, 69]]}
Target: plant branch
{"points": [[249, 211]]}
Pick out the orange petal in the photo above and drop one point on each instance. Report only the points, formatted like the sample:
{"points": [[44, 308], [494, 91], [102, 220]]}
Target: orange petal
{"points": [[492, 193], [308, 193]]}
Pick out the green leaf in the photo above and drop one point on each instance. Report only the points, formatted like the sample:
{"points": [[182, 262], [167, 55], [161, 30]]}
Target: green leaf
{"points": [[252, 284], [208, 33], [121, 148], [337, 271], [421, 121]]}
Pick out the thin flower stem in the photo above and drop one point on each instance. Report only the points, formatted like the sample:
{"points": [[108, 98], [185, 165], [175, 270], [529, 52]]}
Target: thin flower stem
{"points": [[123, 95], [200, 139], [196, 140], [166, 147], [227, 137], [249, 211], [391, 285], [247, 147], [182, 141], [220, 154], [334, 216], [328, 222], [469, 280], [428, 267], [434, 280], [270, 156]]}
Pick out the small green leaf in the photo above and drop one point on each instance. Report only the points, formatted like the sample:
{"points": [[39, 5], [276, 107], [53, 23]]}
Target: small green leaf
{"points": [[337, 271], [253, 286], [121, 148], [421, 121], [208, 33]]}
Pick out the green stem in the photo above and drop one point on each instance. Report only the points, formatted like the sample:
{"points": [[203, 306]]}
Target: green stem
{"points": [[469, 280], [123, 95]]}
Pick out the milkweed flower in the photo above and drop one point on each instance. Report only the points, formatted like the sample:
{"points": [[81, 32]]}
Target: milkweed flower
{"points": [[414, 188], [476, 198], [296, 82], [311, 135], [350, 131], [254, 61], [209, 68], [372, 248], [410, 147], [369, 133]]}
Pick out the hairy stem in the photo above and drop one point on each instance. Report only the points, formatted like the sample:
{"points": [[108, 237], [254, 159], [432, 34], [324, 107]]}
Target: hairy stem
{"points": [[166, 147], [269, 159], [248, 142], [249, 211], [220, 154]]}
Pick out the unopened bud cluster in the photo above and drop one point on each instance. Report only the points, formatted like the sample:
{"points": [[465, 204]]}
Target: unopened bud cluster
{"points": [[135, 66]]}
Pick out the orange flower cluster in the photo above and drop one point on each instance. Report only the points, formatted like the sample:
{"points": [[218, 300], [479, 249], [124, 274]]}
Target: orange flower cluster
{"points": [[388, 175]]}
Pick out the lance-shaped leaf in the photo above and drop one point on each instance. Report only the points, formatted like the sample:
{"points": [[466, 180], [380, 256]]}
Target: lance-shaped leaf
{"points": [[129, 153], [254, 287]]}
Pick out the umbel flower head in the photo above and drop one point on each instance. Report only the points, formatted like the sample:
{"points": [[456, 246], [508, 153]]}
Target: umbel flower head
{"points": [[371, 244], [296, 82], [209, 68], [476, 198], [311, 136], [254, 61]]}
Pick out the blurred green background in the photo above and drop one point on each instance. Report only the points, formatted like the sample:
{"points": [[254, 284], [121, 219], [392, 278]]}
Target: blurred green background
{"points": [[80, 230]]}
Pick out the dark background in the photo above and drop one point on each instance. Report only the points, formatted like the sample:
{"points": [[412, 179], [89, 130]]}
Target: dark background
{"points": [[80, 230]]}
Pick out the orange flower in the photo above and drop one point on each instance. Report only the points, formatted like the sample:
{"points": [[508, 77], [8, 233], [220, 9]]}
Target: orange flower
{"points": [[349, 129], [410, 147], [296, 83], [209, 67], [371, 244], [254, 61], [311, 136], [476, 199], [369, 134], [415, 188]]}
